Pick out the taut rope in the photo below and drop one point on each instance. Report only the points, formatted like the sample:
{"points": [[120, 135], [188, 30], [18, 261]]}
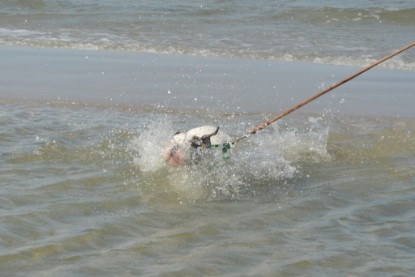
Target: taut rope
{"points": [[272, 120]]}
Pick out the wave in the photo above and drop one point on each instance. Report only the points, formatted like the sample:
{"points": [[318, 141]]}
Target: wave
{"points": [[337, 16], [110, 42], [332, 32]]}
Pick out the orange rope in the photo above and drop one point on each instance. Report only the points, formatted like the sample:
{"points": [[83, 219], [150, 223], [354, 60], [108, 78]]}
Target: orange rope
{"points": [[321, 93]]}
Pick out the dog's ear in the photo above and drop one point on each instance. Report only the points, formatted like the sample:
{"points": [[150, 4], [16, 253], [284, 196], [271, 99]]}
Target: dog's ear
{"points": [[204, 141], [211, 135], [206, 138]]}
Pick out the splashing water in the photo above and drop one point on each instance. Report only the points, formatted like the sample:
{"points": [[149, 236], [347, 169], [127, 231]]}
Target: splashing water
{"points": [[151, 145], [268, 160]]}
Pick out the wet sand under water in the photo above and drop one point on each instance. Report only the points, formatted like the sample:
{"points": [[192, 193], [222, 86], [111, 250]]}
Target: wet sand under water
{"points": [[207, 84]]}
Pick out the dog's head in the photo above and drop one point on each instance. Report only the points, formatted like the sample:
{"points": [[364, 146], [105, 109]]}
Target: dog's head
{"points": [[187, 145], [204, 141]]}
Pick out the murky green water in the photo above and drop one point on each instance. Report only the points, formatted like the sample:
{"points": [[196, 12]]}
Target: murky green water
{"points": [[84, 191]]}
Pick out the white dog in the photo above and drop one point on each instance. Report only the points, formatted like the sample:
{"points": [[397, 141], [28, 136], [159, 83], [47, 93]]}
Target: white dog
{"points": [[187, 147]]}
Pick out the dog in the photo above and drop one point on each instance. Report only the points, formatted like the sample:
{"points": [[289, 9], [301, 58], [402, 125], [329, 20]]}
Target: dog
{"points": [[189, 146]]}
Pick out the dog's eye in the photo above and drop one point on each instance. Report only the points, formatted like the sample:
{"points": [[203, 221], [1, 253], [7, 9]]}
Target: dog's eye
{"points": [[178, 132]]}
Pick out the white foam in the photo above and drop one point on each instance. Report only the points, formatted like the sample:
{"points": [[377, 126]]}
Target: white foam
{"points": [[19, 32], [86, 40]]}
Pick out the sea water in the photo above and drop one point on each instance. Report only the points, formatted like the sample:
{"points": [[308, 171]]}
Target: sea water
{"points": [[85, 190], [336, 32]]}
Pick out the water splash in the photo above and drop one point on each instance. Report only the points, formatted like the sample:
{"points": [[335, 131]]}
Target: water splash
{"points": [[265, 161], [150, 145]]}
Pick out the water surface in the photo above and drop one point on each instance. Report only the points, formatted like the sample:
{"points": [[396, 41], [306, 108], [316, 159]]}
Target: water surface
{"points": [[92, 91], [84, 191]]}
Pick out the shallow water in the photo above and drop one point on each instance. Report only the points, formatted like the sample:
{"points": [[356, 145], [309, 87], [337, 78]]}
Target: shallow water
{"points": [[84, 191]]}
